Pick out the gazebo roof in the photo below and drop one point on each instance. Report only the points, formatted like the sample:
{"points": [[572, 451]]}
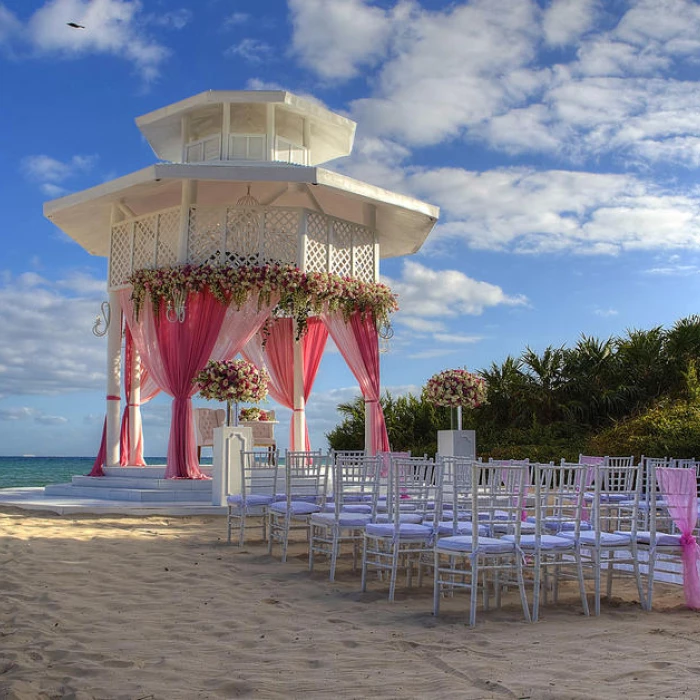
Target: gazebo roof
{"points": [[333, 134], [402, 223]]}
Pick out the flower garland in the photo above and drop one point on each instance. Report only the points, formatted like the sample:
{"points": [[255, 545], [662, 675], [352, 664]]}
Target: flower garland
{"points": [[232, 380], [300, 294], [455, 387]]}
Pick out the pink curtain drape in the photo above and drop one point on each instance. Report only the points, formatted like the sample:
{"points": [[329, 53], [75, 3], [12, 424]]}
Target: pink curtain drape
{"points": [[358, 342], [679, 489], [173, 353], [132, 455], [278, 358]]}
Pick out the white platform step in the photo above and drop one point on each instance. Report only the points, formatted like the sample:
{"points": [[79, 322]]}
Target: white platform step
{"points": [[128, 494], [134, 484]]}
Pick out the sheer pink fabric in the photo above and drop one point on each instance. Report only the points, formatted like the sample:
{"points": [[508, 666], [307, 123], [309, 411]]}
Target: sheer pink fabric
{"points": [[173, 353], [97, 467], [132, 455], [358, 343], [679, 489], [278, 358]]}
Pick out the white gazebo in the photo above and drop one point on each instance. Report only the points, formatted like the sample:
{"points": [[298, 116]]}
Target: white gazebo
{"points": [[238, 183]]}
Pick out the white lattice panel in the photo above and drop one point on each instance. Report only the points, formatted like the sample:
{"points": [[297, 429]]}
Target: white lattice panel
{"points": [[316, 256], [168, 235], [341, 255], [120, 254], [363, 266], [243, 235], [206, 239], [144, 242], [281, 239]]}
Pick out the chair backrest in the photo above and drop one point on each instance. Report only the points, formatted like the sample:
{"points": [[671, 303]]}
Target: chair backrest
{"points": [[648, 464], [615, 515], [259, 470], [496, 497], [619, 461], [558, 493], [355, 481], [205, 420], [306, 476], [413, 484]]}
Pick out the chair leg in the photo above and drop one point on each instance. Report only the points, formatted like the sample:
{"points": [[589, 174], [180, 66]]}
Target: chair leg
{"points": [[474, 592], [521, 587], [611, 571], [335, 546], [228, 519], [597, 563], [582, 584], [363, 584], [394, 570], [311, 548], [241, 529], [436, 584], [536, 588]]}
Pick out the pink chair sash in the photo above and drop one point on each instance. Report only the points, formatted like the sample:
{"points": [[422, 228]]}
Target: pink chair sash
{"points": [[679, 489]]}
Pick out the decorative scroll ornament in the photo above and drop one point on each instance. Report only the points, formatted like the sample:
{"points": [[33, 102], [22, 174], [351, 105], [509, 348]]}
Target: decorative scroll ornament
{"points": [[175, 308], [385, 333], [105, 318]]}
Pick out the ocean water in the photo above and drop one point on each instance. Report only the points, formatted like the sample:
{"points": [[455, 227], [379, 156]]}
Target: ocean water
{"points": [[38, 471]]}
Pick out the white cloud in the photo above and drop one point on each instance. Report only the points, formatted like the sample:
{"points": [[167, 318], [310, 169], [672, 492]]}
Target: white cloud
{"points": [[25, 413], [565, 21], [51, 173], [251, 50], [456, 338], [112, 27], [430, 354], [336, 37], [606, 313], [235, 19], [46, 346], [427, 293]]}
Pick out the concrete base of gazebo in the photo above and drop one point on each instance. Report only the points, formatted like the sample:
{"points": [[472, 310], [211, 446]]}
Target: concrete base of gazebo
{"points": [[124, 491]]}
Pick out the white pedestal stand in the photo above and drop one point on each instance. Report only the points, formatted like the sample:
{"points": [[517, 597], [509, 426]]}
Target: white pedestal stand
{"points": [[457, 443], [226, 464]]}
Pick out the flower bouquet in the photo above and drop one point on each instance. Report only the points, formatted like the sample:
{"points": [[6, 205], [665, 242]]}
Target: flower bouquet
{"points": [[456, 388], [252, 414], [232, 381]]}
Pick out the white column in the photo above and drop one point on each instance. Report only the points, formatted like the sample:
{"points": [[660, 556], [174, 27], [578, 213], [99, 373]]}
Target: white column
{"points": [[135, 405], [368, 430], [225, 129], [299, 415], [114, 349], [187, 199], [270, 129]]}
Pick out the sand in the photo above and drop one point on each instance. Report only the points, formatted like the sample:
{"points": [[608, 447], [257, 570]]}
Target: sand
{"points": [[161, 608]]}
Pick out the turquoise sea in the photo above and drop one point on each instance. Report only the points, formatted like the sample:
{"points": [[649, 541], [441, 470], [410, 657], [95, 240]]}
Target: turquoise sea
{"points": [[39, 471]]}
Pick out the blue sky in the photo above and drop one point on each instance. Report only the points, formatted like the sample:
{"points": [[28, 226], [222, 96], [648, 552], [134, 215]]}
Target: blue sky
{"points": [[560, 138]]}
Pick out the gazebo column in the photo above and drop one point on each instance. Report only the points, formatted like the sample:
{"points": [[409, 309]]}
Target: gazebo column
{"points": [[299, 415], [114, 349], [135, 403]]}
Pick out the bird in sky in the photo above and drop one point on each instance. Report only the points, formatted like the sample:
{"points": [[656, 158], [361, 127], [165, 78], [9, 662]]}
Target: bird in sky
{"points": [[74, 25]]}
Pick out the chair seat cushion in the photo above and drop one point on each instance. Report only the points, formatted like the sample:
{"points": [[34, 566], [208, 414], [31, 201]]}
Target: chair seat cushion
{"points": [[558, 525], [663, 539], [412, 518], [465, 543], [447, 514], [607, 539], [251, 500], [295, 508], [607, 496], [496, 515], [463, 528], [548, 542], [354, 520], [349, 508], [406, 530]]}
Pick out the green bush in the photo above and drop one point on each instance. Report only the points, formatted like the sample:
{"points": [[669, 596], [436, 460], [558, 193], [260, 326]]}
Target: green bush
{"points": [[670, 429]]}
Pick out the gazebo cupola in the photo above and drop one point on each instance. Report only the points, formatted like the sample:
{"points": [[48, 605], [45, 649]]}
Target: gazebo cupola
{"points": [[240, 126], [238, 185]]}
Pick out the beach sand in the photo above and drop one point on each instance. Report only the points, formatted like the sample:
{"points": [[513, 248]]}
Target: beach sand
{"points": [[161, 608]]}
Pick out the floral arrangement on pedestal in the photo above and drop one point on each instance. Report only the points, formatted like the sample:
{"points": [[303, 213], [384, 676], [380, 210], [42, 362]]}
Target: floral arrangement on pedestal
{"points": [[456, 388], [253, 413], [232, 381], [294, 293]]}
